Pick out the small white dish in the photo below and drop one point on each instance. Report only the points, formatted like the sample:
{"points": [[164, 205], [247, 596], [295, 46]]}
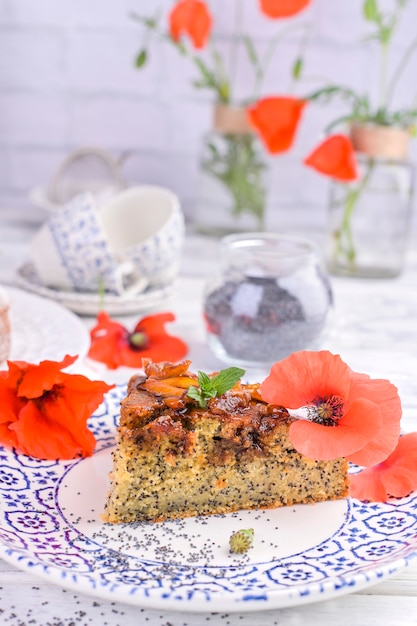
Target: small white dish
{"points": [[91, 303], [43, 330]]}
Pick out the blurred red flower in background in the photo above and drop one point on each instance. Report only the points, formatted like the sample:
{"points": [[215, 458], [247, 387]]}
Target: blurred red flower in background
{"points": [[192, 18], [283, 8], [334, 157], [276, 120]]}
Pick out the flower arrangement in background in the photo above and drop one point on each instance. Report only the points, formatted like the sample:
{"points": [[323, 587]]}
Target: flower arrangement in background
{"points": [[361, 106], [191, 20], [376, 130], [234, 160]]}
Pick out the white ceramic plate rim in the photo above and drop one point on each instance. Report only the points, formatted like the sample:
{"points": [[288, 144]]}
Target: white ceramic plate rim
{"points": [[99, 580], [51, 331]]}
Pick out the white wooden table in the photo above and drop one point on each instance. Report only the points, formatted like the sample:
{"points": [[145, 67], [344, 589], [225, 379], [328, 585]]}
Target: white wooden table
{"points": [[366, 326]]}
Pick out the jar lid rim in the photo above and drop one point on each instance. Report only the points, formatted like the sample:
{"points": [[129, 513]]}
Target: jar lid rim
{"points": [[269, 242]]}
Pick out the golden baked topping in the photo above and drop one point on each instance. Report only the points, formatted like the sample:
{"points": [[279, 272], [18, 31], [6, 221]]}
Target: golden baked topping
{"points": [[170, 382]]}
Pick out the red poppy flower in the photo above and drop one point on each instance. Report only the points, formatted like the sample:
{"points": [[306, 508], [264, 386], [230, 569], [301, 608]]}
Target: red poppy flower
{"points": [[44, 411], [385, 395], [276, 120], [283, 8], [396, 476], [342, 413], [193, 18], [334, 157], [111, 342]]}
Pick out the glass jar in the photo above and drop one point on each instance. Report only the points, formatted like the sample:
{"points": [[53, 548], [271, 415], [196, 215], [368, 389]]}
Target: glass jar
{"points": [[369, 219], [270, 298], [231, 193]]}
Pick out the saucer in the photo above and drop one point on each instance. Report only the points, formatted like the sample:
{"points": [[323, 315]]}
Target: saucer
{"points": [[85, 303]]}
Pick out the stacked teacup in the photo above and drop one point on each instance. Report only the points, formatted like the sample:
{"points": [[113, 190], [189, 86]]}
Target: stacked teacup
{"points": [[131, 242]]}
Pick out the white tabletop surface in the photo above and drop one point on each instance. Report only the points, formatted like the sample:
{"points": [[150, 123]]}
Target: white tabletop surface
{"points": [[374, 328]]}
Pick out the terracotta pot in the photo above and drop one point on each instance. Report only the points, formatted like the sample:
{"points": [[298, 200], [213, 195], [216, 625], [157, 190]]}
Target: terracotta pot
{"points": [[232, 120], [387, 142]]}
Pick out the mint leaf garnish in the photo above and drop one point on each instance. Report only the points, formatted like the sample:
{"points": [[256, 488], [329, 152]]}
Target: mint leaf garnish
{"points": [[226, 379], [195, 394], [216, 386]]}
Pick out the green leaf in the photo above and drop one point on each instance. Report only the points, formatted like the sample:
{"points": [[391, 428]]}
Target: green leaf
{"points": [[150, 22], [226, 379], [297, 68], [385, 33], [251, 51], [370, 10], [141, 58], [215, 386], [204, 381], [223, 91], [195, 394]]}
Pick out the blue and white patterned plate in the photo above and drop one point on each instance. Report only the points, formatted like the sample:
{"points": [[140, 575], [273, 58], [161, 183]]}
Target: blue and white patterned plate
{"points": [[50, 526]]}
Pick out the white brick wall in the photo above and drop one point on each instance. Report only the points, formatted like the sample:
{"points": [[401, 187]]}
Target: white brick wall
{"points": [[67, 79]]}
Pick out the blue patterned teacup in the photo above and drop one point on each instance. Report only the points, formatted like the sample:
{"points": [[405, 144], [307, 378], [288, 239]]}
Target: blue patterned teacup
{"points": [[72, 251], [145, 225]]}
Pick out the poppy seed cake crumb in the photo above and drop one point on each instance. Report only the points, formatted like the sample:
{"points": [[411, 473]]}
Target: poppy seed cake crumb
{"points": [[174, 459]]}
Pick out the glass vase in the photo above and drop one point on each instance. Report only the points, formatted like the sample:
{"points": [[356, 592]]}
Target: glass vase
{"points": [[368, 220], [232, 178]]}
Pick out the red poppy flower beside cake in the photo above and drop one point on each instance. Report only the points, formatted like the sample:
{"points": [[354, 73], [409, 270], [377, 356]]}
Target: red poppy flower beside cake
{"points": [[115, 346], [44, 410]]}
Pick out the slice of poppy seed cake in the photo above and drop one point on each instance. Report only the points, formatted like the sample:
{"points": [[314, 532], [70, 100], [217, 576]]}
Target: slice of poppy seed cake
{"points": [[174, 459]]}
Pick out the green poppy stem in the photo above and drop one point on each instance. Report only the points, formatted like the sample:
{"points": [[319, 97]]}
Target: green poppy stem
{"points": [[344, 238]]}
